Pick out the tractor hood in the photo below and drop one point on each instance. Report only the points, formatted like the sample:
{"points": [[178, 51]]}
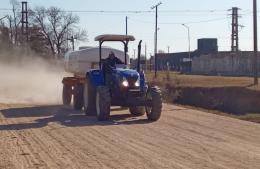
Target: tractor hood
{"points": [[128, 73]]}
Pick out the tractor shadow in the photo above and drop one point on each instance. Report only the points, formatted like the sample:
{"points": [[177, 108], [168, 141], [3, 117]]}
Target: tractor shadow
{"points": [[41, 116]]}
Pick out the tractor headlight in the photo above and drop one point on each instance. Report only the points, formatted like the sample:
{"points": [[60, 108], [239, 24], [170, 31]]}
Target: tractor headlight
{"points": [[125, 82], [137, 83]]}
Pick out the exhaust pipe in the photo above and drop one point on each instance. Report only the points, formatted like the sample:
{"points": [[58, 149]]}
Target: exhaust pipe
{"points": [[139, 57]]}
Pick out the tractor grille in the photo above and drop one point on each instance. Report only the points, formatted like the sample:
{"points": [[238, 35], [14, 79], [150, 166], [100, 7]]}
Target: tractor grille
{"points": [[131, 81], [134, 93]]}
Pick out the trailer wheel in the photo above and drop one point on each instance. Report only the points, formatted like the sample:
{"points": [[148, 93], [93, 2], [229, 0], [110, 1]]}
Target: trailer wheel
{"points": [[66, 94], [103, 102], [153, 111], [78, 97], [137, 111], [89, 95]]}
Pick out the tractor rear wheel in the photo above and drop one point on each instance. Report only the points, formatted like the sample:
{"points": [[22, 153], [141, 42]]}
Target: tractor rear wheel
{"points": [[78, 97], [103, 102], [89, 98], [154, 110], [66, 94], [137, 111]]}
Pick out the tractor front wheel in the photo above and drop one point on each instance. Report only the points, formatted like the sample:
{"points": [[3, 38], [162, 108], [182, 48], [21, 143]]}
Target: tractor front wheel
{"points": [[103, 102], [153, 111], [89, 98]]}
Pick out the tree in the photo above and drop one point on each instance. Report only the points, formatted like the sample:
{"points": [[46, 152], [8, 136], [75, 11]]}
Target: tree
{"points": [[14, 21], [4, 38], [38, 42], [56, 26]]}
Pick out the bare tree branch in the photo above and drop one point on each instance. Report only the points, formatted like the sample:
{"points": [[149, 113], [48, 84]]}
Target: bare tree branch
{"points": [[15, 21], [57, 26]]}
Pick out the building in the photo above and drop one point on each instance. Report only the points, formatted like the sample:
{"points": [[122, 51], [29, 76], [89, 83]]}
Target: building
{"points": [[207, 45], [182, 61], [225, 63], [207, 60], [175, 61]]}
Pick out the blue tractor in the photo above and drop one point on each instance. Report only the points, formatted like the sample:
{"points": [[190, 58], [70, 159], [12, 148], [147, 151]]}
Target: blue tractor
{"points": [[128, 87]]}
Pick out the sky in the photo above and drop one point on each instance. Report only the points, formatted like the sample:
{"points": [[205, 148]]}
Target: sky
{"points": [[205, 19]]}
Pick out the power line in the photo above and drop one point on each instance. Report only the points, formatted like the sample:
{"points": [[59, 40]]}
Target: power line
{"points": [[202, 21], [5, 9], [138, 11], [145, 11], [179, 23], [101, 11]]}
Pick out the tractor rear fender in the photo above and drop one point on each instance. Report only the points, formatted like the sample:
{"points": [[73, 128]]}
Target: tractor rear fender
{"points": [[96, 77]]}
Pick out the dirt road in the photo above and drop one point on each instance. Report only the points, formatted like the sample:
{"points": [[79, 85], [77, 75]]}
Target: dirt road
{"points": [[59, 137]]}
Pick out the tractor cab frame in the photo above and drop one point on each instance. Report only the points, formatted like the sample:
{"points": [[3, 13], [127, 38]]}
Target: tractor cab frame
{"points": [[114, 38]]}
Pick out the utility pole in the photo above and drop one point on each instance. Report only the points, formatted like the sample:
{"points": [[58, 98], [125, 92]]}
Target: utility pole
{"points": [[168, 47], [72, 40], [150, 62], [67, 42], [188, 28], [126, 18], [145, 56], [155, 38], [234, 35], [24, 21], [73, 43], [255, 65]]}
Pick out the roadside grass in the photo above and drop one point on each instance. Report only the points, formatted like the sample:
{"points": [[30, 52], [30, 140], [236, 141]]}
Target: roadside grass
{"points": [[178, 79], [252, 117], [173, 84]]}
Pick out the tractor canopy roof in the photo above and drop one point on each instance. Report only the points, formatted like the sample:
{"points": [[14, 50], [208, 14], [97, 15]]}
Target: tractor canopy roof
{"points": [[113, 37]]}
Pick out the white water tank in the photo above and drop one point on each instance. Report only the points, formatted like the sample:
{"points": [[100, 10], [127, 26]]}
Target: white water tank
{"points": [[81, 61]]}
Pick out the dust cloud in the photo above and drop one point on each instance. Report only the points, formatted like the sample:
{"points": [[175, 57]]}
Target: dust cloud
{"points": [[30, 80]]}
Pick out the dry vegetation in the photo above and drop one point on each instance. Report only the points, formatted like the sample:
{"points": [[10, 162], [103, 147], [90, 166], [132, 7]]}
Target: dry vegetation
{"points": [[231, 96], [180, 80]]}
